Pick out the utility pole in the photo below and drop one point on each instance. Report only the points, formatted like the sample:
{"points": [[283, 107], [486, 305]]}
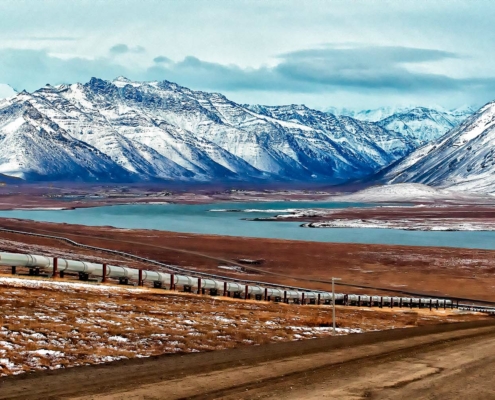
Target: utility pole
{"points": [[333, 301]]}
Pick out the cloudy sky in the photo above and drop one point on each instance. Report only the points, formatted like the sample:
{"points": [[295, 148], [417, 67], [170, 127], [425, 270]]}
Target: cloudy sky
{"points": [[349, 53]]}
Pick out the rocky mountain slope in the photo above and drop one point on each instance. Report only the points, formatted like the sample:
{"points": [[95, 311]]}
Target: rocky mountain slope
{"points": [[463, 159], [123, 131]]}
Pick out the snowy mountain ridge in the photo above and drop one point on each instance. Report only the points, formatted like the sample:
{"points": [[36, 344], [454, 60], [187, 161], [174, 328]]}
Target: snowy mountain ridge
{"points": [[419, 124], [122, 130]]}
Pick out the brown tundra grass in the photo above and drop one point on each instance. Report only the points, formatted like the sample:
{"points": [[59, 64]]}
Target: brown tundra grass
{"points": [[48, 327]]}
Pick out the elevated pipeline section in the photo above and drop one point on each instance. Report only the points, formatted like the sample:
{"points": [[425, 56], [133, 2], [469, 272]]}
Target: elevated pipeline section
{"points": [[240, 288], [215, 286]]}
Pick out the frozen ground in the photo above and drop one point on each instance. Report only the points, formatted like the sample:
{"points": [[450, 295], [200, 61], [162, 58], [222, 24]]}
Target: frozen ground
{"points": [[409, 192]]}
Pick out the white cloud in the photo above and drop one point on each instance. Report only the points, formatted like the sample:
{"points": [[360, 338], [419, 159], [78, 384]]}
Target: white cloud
{"points": [[245, 38]]}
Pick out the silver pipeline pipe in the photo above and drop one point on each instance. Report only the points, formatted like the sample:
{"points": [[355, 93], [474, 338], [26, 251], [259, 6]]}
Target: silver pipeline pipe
{"points": [[113, 271]]}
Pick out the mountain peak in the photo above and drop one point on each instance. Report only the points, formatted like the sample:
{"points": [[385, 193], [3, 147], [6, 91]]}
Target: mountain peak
{"points": [[121, 78]]}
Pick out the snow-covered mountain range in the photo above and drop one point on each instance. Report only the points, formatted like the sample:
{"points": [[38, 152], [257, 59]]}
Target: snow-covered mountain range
{"points": [[419, 124], [463, 159], [125, 131]]}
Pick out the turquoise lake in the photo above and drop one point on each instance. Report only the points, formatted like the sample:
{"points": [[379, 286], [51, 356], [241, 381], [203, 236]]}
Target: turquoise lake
{"points": [[199, 219]]}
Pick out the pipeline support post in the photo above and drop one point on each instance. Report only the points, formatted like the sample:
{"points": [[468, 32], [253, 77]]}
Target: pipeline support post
{"points": [[104, 273], [225, 289], [14, 270], [285, 296], [319, 298], [172, 282], [333, 304], [140, 278], [266, 294], [431, 304], [199, 286], [302, 299], [55, 267], [246, 293]]}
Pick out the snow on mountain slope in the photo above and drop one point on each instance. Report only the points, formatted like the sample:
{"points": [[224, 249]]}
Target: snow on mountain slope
{"points": [[160, 130], [398, 192], [419, 124], [35, 147], [463, 159], [366, 144], [422, 125], [94, 130]]}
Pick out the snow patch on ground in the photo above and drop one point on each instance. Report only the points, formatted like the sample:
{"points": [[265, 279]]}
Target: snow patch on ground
{"points": [[430, 224]]}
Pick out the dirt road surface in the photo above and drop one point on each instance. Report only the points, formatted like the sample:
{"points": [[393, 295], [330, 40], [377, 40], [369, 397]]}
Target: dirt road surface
{"points": [[430, 362]]}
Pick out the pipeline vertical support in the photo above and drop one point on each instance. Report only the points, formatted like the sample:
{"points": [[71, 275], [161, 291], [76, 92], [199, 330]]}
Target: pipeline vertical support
{"points": [[225, 289], [359, 301], [246, 293], [319, 298], [381, 302], [431, 304], [457, 303], [140, 278], [14, 270], [199, 285], [104, 273], [55, 267], [266, 294], [172, 282], [302, 299], [285, 296], [400, 302]]}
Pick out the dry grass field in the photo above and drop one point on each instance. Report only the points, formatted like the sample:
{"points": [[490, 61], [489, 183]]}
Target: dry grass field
{"points": [[46, 324]]}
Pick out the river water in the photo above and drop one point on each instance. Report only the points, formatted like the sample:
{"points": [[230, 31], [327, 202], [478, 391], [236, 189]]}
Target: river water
{"points": [[199, 219]]}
